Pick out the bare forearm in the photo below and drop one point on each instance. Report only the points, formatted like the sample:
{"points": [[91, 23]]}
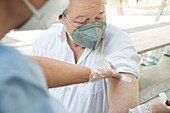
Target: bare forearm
{"points": [[122, 95], [59, 73]]}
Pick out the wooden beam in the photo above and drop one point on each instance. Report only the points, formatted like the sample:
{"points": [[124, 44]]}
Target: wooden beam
{"points": [[160, 10], [119, 7]]}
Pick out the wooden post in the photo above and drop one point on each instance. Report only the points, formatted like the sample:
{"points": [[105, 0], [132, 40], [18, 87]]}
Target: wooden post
{"points": [[119, 7], [160, 10]]}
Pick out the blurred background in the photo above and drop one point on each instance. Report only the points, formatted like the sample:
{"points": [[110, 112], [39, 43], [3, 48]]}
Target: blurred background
{"points": [[148, 24]]}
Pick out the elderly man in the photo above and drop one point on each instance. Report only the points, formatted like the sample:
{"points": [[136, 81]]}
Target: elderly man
{"points": [[85, 38], [23, 88]]}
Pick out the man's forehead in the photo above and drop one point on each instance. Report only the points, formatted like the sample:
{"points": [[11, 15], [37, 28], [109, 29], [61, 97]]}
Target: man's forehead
{"points": [[87, 9], [77, 16], [79, 1], [86, 3]]}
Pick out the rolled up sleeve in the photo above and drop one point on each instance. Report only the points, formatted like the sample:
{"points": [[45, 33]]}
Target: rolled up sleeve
{"points": [[121, 52]]}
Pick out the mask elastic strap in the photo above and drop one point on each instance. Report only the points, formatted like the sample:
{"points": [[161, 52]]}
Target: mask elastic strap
{"points": [[32, 8], [68, 21]]}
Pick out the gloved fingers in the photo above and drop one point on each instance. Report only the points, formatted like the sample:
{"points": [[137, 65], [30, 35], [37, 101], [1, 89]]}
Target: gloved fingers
{"points": [[101, 70], [164, 99], [115, 74], [141, 109], [112, 71], [111, 65], [157, 105]]}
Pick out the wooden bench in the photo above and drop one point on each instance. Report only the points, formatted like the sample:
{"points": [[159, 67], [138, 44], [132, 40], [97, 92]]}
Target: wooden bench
{"points": [[152, 91], [148, 38]]}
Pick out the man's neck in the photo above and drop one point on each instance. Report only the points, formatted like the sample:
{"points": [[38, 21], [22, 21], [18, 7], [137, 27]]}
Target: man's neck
{"points": [[77, 50], [73, 45]]}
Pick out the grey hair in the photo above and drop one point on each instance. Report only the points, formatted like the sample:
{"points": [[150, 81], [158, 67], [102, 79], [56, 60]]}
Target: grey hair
{"points": [[66, 11]]}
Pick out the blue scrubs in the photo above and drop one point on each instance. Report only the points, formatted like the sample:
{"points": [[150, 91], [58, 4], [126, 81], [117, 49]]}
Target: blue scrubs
{"points": [[23, 87]]}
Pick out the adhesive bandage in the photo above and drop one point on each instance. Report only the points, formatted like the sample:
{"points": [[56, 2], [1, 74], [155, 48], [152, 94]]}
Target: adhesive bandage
{"points": [[125, 78]]}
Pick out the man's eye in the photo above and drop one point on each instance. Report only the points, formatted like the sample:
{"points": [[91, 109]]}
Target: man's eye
{"points": [[99, 18], [82, 22], [79, 22]]}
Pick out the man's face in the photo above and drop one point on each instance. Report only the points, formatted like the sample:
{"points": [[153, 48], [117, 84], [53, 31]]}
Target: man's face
{"points": [[84, 11]]}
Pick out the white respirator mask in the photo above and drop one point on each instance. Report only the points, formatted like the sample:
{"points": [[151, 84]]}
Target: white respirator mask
{"points": [[44, 17]]}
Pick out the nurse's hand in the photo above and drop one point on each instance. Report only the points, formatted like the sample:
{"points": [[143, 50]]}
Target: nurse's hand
{"points": [[158, 105], [101, 70]]}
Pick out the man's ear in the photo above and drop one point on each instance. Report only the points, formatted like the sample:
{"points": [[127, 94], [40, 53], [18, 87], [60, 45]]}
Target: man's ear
{"points": [[61, 19]]}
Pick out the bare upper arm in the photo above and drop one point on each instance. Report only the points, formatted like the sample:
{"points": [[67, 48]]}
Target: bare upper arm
{"points": [[122, 95]]}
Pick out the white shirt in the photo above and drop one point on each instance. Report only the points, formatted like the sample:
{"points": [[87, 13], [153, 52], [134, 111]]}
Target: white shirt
{"points": [[116, 47]]}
